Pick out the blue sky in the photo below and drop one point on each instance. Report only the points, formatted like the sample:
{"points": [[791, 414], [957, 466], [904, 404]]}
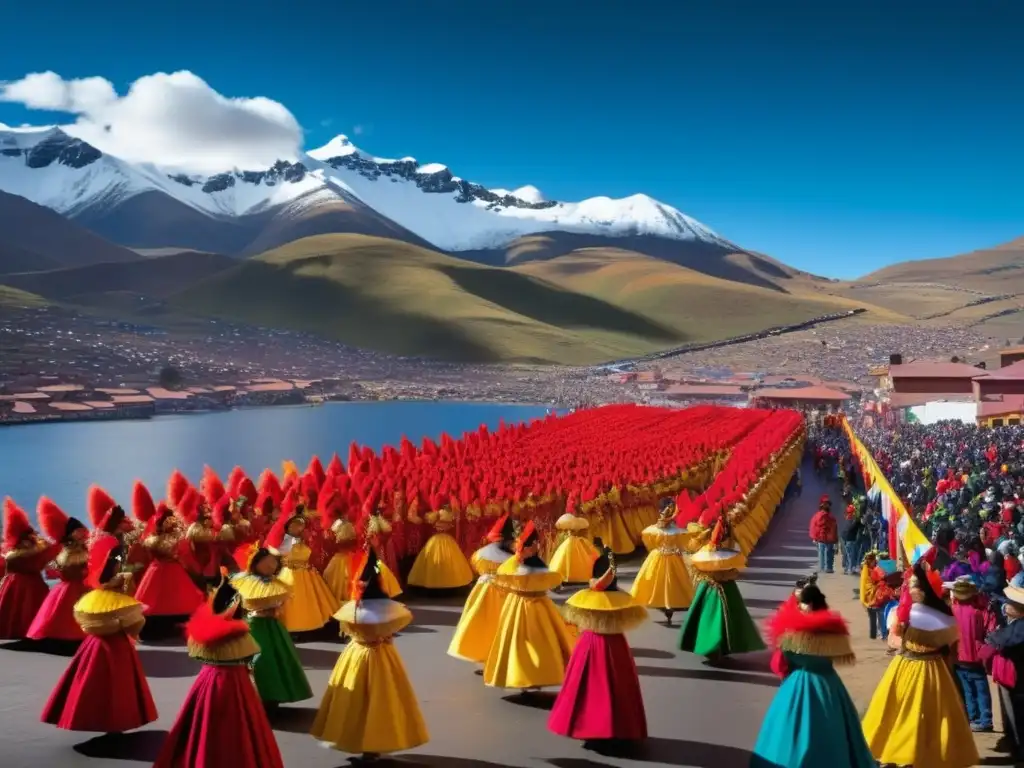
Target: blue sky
{"points": [[836, 136]]}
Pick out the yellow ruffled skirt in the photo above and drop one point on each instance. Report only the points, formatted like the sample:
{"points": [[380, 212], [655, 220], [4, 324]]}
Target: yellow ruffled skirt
{"points": [[311, 604], [479, 622], [663, 581], [441, 565], [613, 532], [338, 575], [916, 717], [573, 560], [369, 704], [532, 644]]}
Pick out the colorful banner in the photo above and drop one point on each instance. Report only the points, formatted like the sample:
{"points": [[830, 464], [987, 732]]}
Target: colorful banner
{"points": [[894, 512]]}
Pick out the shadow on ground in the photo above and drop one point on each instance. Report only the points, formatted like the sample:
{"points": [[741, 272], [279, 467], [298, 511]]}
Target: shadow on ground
{"points": [[159, 663], [141, 746]]}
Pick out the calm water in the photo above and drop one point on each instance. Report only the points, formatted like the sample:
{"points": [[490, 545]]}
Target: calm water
{"points": [[61, 460]]}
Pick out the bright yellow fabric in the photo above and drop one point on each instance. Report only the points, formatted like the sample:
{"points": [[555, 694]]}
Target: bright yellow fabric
{"points": [[441, 564], [478, 624], [613, 532], [312, 603], [663, 580], [338, 575], [574, 560]]}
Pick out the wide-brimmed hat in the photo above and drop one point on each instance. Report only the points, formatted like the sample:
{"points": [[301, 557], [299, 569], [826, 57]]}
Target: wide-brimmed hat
{"points": [[963, 588], [1015, 595]]}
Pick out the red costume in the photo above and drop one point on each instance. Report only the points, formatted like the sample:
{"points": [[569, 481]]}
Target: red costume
{"points": [[104, 688], [165, 588], [222, 721], [23, 589], [55, 619], [601, 698]]}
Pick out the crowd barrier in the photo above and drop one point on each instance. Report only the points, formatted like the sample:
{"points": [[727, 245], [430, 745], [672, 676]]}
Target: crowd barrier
{"points": [[903, 531]]}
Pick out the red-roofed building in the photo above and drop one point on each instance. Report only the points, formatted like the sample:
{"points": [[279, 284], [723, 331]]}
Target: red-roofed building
{"points": [[999, 410], [1005, 381], [799, 397], [938, 379], [716, 392]]}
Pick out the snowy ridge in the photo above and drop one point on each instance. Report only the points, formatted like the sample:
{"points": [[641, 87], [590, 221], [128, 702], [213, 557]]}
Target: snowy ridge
{"points": [[52, 168]]}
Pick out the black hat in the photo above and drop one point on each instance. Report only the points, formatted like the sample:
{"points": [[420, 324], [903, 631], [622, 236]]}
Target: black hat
{"points": [[113, 564], [603, 576], [370, 578], [261, 554], [225, 597], [72, 525]]}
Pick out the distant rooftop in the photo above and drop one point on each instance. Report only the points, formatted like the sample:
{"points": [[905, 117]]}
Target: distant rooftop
{"points": [[933, 369]]}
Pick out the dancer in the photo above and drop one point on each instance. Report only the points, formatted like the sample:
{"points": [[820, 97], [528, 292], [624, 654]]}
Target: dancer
{"points": [[916, 716], [55, 620], [601, 698], [222, 699], [339, 572], [166, 590], [277, 670], [377, 530], [104, 688], [663, 581], [532, 643], [718, 622], [23, 589], [811, 721], [369, 707], [440, 564], [312, 604], [574, 556], [480, 616]]}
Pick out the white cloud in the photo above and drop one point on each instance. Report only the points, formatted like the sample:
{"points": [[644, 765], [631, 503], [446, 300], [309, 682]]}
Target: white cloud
{"points": [[174, 120]]}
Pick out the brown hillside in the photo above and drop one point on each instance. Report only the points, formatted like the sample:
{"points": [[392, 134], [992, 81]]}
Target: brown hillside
{"points": [[35, 237], [998, 270]]}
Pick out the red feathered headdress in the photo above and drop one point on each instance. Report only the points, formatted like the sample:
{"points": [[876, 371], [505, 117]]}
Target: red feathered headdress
{"points": [[188, 505], [275, 537], [161, 513], [16, 524], [247, 490], [103, 547], [209, 629], [98, 504], [53, 521], [526, 537], [497, 532], [210, 486], [222, 510], [143, 507], [177, 485], [235, 478]]}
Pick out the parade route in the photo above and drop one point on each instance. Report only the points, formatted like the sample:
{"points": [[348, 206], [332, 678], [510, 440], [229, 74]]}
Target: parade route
{"points": [[698, 715]]}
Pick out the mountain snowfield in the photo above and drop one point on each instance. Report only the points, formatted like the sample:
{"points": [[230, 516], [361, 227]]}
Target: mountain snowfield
{"points": [[52, 168]]}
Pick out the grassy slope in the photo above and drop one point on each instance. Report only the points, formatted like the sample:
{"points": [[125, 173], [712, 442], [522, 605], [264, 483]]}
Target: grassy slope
{"points": [[582, 308], [991, 270], [397, 297], [12, 297]]}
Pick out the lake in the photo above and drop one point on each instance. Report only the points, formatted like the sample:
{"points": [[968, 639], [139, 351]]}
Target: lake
{"points": [[61, 460]]}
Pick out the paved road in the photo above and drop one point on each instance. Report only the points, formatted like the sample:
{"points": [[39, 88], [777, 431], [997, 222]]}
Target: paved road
{"points": [[698, 716]]}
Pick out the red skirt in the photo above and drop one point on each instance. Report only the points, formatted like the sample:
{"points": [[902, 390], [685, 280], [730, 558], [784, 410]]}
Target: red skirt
{"points": [[600, 698], [21, 595], [55, 619], [103, 690], [222, 723], [167, 590]]}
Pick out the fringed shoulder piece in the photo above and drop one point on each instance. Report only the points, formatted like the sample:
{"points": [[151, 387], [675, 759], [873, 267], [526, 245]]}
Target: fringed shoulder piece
{"points": [[811, 633], [217, 639], [717, 560], [371, 621], [106, 612], [70, 557], [259, 593], [200, 533], [929, 629], [604, 613], [571, 522], [488, 559]]}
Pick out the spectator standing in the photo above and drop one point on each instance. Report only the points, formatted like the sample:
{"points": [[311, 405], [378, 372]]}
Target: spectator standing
{"points": [[824, 531], [851, 537], [974, 621], [1003, 654]]}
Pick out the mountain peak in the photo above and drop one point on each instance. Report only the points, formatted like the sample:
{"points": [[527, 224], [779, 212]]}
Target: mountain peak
{"points": [[339, 146]]}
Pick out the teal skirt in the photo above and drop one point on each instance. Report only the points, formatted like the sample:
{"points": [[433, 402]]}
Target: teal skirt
{"points": [[811, 722], [277, 671], [718, 622]]}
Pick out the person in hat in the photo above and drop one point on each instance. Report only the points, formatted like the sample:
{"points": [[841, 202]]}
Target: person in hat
{"points": [[824, 532], [104, 688], [222, 700], [166, 589], [277, 671], [532, 643], [915, 716], [812, 720], [312, 603], [55, 619], [1003, 655], [574, 555], [482, 611], [370, 707], [718, 622], [22, 589], [440, 564], [663, 581], [875, 595], [600, 698], [974, 621]]}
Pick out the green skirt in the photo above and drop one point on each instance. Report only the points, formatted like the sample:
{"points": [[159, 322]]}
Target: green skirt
{"points": [[277, 671], [718, 622]]}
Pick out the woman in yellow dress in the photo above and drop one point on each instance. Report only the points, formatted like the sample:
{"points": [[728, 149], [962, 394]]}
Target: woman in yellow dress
{"points": [[916, 716], [312, 603], [339, 572], [573, 559], [533, 642], [440, 564], [377, 529], [369, 707], [663, 581], [612, 528], [482, 612]]}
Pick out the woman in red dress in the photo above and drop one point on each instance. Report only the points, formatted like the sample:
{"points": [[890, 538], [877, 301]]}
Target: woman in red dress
{"points": [[222, 722], [166, 590], [600, 698], [104, 688], [55, 620], [23, 589]]}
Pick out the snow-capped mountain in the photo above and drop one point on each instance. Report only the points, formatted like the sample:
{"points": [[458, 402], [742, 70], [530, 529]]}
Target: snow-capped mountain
{"points": [[420, 202]]}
